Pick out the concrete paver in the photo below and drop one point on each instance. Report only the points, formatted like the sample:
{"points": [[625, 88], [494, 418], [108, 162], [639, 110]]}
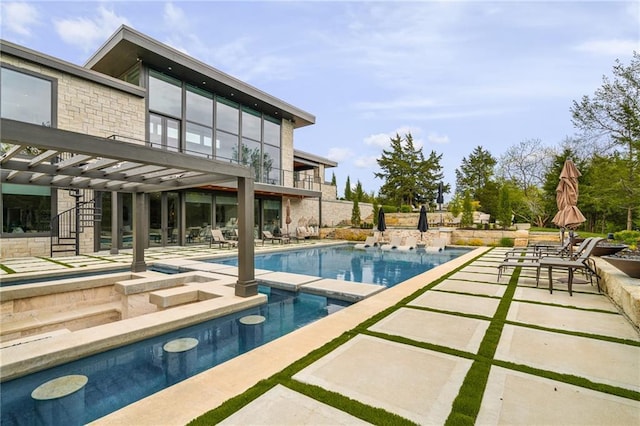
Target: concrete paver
{"points": [[515, 398], [579, 300], [417, 384], [471, 287], [457, 303]]}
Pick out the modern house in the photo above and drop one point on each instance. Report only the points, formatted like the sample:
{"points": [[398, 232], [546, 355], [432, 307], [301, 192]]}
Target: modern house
{"points": [[144, 146]]}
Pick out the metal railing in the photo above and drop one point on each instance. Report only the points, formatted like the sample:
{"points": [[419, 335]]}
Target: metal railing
{"points": [[67, 226]]}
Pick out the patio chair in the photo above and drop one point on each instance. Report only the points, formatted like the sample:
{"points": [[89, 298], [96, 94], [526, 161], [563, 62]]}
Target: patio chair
{"points": [[582, 262], [394, 242], [218, 238], [268, 236], [368, 243], [409, 244], [436, 245]]}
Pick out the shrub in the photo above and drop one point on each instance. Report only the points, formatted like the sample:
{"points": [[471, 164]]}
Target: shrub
{"points": [[632, 238], [389, 209], [405, 208], [506, 242]]}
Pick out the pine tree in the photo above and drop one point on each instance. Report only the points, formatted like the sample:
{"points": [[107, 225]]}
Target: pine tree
{"points": [[347, 190], [467, 211], [355, 213], [333, 179], [359, 195]]}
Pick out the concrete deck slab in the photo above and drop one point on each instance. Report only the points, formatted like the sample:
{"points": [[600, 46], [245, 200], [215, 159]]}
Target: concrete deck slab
{"points": [[287, 280], [475, 276], [597, 360], [476, 269], [563, 318], [432, 327], [457, 303], [341, 290], [471, 287], [515, 398], [579, 300], [282, 406], [414, 383]]}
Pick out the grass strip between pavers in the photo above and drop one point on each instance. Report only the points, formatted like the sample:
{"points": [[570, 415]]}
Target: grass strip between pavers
{"points": [[106, 259], [284, 377], [7, 269], [466, 405], [48, 259]]}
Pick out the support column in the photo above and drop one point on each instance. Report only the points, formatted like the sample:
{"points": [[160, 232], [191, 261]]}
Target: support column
{"points": [[246, 285], [138, 264], [114, 223]]}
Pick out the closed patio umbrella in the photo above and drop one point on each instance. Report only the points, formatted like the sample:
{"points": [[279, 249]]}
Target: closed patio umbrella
{"points": [[569, 215], [440, 200], [422, 221], [382, 225], [287, 219]]}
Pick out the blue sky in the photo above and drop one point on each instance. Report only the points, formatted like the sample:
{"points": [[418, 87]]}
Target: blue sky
{"points": [[455, 74]]}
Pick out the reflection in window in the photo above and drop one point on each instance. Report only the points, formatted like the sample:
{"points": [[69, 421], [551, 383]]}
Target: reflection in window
{"points": [[198, 213], [227, 214], [25, 97], [226, 147], [271, 132], [26, 209], [165, 94], [227, 118], [199, 106], [251, 124], [199, 139], [271, 165]]}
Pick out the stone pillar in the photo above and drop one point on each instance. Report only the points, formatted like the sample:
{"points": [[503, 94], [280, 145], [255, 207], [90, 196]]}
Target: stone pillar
{"points": [[114, 223], [138, 264], [246, 285]]}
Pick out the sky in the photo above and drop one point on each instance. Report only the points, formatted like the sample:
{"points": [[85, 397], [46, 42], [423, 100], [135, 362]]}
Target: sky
{"points": [[454, 74]]}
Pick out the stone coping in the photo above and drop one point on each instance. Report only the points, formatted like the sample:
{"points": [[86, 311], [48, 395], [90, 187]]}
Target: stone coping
{"points": [[623, 290]]}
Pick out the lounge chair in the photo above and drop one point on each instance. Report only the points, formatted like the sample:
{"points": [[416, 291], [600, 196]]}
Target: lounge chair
{"points": [[268, 236], [218, 238], [409, 244], [436, 245], [394, 242], [582, 262], [368, 243]]}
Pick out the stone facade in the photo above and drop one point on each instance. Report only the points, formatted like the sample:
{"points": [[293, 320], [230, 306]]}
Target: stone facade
{"points": [[286, 149], [83, 107]]}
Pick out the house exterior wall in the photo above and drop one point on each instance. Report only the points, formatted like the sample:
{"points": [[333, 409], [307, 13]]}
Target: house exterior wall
{"points": [[83, 107], [286, 146]]}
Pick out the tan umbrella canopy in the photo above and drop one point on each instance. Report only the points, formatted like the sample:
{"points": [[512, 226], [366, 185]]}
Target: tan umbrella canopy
{"points": [[569, 215], [287, 219]]}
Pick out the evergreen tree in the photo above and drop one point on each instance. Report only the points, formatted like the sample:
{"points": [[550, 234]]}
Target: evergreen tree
{"points": [[475, 173], [347, 190], [409, 178], [355, 213], [504, 211], [467, 211], [333, 179], [359, 194], [376, 209]]}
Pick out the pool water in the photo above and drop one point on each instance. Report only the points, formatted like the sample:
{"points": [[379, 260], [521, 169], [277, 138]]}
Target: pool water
{"points": [[344, 262], [124, 375]]}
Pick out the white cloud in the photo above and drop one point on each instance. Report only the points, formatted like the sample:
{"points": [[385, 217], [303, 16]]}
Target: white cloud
{"points": [[366, 162], [613, 47], [19, 17], [88, 32], [382, 140], [339, 154], [437, 139]]}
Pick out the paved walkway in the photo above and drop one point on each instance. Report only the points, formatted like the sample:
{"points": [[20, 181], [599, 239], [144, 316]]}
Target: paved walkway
{"points": [[427, 351], [451, 345]]}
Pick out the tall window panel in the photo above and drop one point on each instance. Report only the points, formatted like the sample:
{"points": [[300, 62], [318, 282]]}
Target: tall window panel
{"points": [[26, 97], [165, 94]]}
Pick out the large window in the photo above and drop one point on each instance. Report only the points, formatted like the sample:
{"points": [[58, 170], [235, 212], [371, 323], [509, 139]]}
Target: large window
{"points": [[26, 97], [227, 116], [26, 209], [165, 94], [251, 124], [164, 132]]}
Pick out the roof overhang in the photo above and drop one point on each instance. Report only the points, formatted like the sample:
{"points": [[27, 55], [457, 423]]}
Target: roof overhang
{"points": [[127, 47], [74, 160]]}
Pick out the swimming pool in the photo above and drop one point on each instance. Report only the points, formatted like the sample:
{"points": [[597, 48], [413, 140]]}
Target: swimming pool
{"points": [[127, 374], [344, 262]]}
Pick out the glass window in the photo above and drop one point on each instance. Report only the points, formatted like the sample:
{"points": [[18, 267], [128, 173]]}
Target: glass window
{"points": [[165, 94], [271, 214], [251, 124], [198, 212], [155, 130], [26, 97], [227, 116], [164, 132], [251, 156], [226, 147], [271, 132], [173, 135], [199, 140], [199, 106], [271, 165], [26, 209], [227, 214]]}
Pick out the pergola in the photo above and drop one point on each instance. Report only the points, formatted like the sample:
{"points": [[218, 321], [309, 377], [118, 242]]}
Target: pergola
{"points": [[71, 160]]}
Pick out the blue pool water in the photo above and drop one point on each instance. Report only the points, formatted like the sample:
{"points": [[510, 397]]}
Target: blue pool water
{"points": [[124, 375], [344, 262]]}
